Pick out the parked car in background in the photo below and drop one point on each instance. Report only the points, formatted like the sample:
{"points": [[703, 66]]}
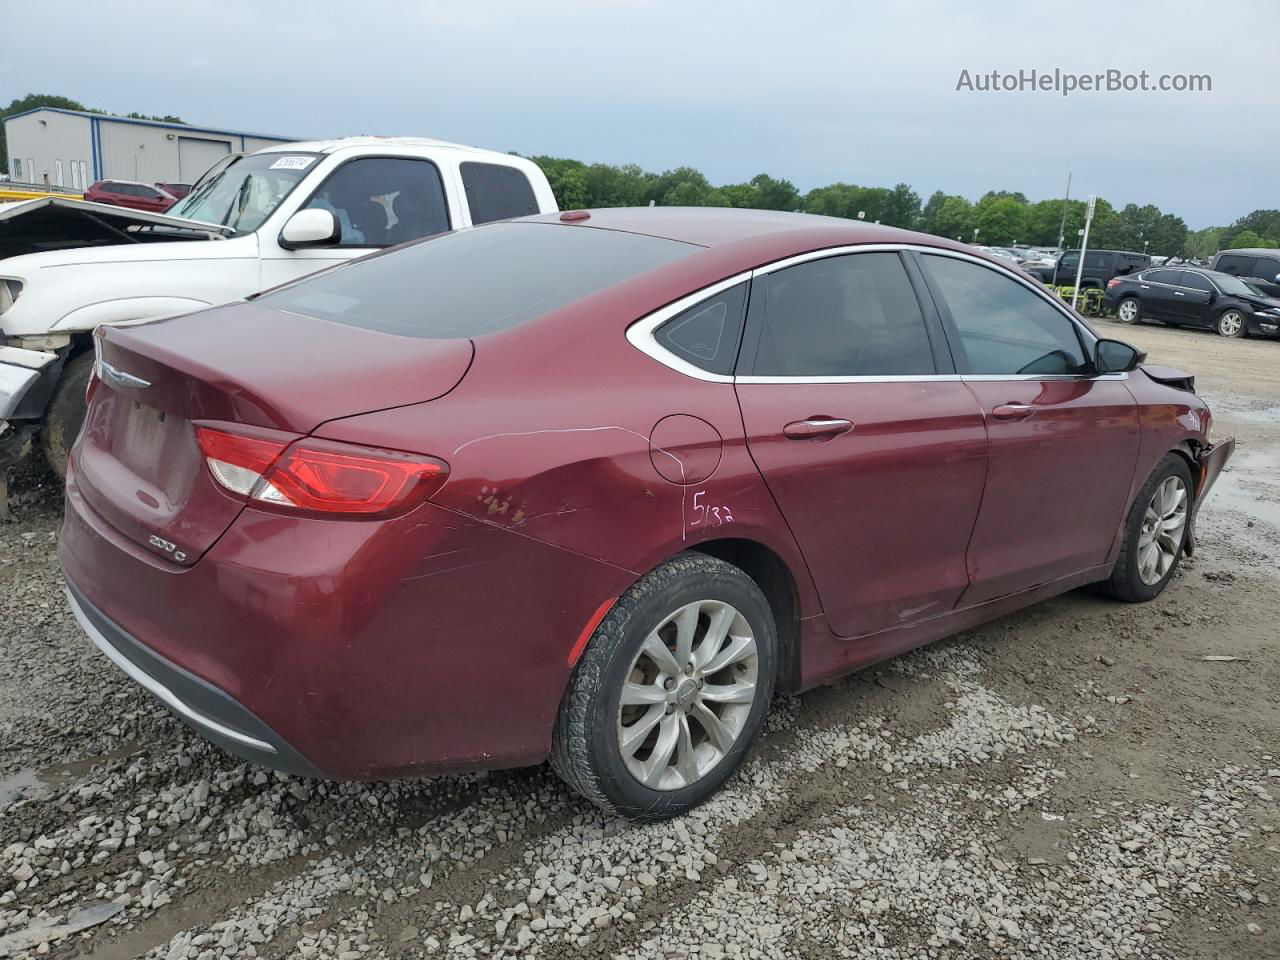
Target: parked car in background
{"points": [[1259, 266], [1194, 297], [178, 190], [126, 193], [278, 214], [1099, 267], [592, 486]]}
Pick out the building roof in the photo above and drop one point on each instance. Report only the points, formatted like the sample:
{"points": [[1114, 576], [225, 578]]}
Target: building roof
{"points": [[185, 127]]}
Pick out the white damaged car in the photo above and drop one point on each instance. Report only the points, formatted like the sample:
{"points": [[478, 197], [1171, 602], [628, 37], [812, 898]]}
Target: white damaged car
{"points": [[251, 222]]}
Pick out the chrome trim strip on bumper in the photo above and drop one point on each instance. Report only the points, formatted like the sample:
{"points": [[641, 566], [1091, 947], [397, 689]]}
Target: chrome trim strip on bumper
{"points": [[157, 689]]}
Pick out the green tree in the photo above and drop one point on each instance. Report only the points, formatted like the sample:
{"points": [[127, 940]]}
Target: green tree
{"points": [[1203, 244], [568, 179], [1249, 238], [955, 218], [929, 213], [1000, 219], [1265, 223], [902, 207], [1004, 195], [774, 194]]}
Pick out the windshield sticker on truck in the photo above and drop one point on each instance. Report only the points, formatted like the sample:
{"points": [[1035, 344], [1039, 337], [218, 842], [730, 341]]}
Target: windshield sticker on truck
{"points": [[292, 163]]}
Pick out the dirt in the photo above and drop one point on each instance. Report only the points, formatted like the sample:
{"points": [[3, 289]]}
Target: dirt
{"points": [[1013, 757]]}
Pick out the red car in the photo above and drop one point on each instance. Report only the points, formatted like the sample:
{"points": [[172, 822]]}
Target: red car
{"points": [[592, 486], [126, 193]]}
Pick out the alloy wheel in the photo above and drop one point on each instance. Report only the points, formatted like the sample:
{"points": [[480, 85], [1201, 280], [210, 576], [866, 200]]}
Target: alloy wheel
{"points": [[1229, 323], [688, 695], [1160, 537], [1128, 311]]}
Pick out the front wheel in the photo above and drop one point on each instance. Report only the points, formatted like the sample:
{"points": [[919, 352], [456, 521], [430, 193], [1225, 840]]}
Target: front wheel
{"points": [[1129, 310], [1231, 323], [670, 692], [66, 412], [1155, 533]]}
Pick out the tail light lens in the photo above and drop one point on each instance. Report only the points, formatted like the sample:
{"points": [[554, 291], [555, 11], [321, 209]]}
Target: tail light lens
{"points": [[1113, 282], [320, 476]]}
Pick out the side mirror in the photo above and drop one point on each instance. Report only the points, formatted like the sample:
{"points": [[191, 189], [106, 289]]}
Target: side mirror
{"points": [[311, 228], [1116, 356], [1213, 295]]}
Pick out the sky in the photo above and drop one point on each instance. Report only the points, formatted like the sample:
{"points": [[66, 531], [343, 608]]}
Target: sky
{"points": [[808, 90]]}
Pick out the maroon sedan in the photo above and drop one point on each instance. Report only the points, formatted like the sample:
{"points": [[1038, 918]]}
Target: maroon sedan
{"points": [[126, 193], [593, 486]]}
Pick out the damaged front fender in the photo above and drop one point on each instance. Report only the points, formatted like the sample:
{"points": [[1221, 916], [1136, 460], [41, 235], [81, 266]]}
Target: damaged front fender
{"points": [[19, 371], [1209, 460]]}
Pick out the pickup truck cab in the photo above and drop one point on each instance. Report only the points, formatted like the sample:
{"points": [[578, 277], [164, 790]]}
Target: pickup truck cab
{"points": [[251, 222]]}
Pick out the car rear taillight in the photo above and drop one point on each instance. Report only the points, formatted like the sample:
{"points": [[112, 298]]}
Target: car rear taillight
{"points": [[1113, 282], [320, 476]]}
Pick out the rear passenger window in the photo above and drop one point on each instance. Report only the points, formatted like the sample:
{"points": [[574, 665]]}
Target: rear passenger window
{"points": [[1004, 327], [848, 316], [1236, 265], [1172, 277], [707, 335], [497, 192], [1195, 281]]}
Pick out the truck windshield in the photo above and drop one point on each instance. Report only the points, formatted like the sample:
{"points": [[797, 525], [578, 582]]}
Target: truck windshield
{"points": [[244, 194]]}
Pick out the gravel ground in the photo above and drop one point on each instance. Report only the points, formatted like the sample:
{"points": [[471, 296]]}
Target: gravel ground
{"points": [[1071, 781]]}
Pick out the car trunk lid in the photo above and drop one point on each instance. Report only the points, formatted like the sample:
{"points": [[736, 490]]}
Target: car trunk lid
{"points": [[245, 368]]}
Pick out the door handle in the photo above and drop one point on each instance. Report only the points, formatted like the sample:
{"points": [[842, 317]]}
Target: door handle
{"points": [[816, 428], [1012, 411], [1178, 293]]}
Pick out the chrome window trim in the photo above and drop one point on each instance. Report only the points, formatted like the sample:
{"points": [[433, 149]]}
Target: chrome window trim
{"points": [[641, 333], [157, 689]]}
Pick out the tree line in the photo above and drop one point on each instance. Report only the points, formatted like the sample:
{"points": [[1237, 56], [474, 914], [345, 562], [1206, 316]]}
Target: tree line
{"points": [[999, 217]]}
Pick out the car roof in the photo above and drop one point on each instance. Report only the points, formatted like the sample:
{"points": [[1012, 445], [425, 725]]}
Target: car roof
{"points": [[770, 233], [345, 143], [1250, 252]]}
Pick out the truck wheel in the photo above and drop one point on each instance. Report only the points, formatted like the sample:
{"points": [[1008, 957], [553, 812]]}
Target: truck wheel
{"points": [[66, 413]]}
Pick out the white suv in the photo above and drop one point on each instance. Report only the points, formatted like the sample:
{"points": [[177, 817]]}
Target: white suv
{"points": [[250, 223]]}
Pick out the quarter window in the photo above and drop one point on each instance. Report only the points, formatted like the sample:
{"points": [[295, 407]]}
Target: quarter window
{"points": [[707, 334], [1004, 328], [381, 201], [497, 192], [847, 316]]}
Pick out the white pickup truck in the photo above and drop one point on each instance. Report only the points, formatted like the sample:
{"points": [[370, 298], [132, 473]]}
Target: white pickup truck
{"points": [[251, 222]]}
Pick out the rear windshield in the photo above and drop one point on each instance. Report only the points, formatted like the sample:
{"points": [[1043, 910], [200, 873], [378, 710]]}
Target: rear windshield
{"points": [[476, 281]]}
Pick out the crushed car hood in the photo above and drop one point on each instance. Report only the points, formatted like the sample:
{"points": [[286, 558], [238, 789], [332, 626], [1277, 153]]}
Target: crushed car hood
{"points": [[60, 223]]}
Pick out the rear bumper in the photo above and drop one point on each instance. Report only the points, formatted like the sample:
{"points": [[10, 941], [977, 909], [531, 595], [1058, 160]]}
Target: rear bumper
{"points": [[201, 705], [429, 643]]}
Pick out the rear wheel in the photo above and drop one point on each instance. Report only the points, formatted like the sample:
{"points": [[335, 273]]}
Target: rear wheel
{"points": [[670, 692], [1154, 535], [1231, 323], [65, 414], [1129, 310]]}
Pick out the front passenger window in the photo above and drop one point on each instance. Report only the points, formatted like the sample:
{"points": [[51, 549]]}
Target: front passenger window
{"points": [[846, 316], [380, 201], [1005, 328]]}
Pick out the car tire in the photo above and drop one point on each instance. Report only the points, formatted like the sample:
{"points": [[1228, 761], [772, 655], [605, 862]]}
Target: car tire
{"points": [[1129, 310], [65, 414], [1136, 578], [1231, 323], [602, 748]]}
